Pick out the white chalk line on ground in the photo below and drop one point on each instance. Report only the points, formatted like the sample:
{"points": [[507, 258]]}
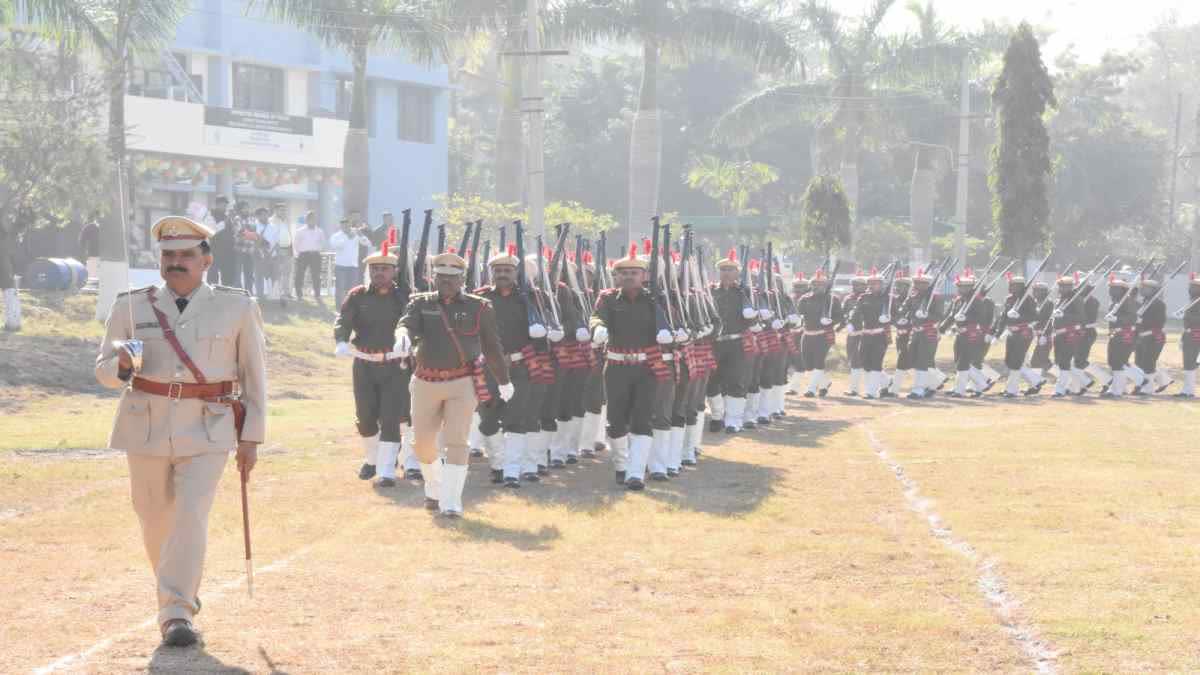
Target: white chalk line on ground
{"points": [[1042, 656]]}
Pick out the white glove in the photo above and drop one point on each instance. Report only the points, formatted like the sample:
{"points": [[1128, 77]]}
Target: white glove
{"points": [[537, 331], [1043, 341], [989, 338], [342, 349], [921, 314], [664, 337], [885, 319], [506, 391], [826, 321], [599, 335], [764, 314], [1058, 314], [556, 334], [849, 330], [756, 328], [681, 335], [1013, 314], [403, 345], [582, 334], [776, 324], [794, 319], [1006, 334], [748, 313], [902, 322], [706, 331]]}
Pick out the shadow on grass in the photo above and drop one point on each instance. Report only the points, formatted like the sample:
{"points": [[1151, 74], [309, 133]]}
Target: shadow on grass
{"points": [[277, 312], [192, 660]]}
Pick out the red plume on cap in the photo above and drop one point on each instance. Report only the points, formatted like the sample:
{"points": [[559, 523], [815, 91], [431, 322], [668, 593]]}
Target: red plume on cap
{"points": [[1008, 276], [512, 249], [754, 265], [819, 275], [920, 271], [874, 271], [633, 250], [733, 254], [547, 252], [587, 257], [801, 277], [386, 246], [647, 246], [453, 250], [570, 257], [1076, 276], [1192, 277], [675, 256], [1112, 277], [392, 235]]}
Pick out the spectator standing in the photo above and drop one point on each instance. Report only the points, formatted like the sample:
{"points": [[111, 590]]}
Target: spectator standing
{"points": [[346, 243], [308, 242], [264, 253], [225, 268], [247, 245], [283, 251]]}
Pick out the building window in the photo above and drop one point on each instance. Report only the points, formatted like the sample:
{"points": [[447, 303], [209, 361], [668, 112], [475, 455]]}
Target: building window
{"points": [[416, 114], [258, 88]]}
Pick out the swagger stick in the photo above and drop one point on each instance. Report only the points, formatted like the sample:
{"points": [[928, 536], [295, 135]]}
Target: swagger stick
{"points": [[246, 538]]}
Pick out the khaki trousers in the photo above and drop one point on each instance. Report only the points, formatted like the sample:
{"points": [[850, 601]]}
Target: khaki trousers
{"points": [[444, 407], [172, 497]]}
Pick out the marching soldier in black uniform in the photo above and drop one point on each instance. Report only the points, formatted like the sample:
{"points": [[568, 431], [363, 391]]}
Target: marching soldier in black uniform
{"points": [[592, 430], [1151, 338], [506, 427], [820, 311], [727, 386], [1189, 342], [625, 320], [1017, 334], [858, 286], [1091, 315], [873, 332], [1067, 335], [969, 332], [924, 310], [366, 329], [573, 356], [1121, 336], [800, 288], [1040, 359], [901, 287]]}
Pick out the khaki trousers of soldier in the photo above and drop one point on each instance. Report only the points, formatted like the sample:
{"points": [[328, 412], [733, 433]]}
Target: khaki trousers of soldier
{"points": [[172, 497], [444, 407]]}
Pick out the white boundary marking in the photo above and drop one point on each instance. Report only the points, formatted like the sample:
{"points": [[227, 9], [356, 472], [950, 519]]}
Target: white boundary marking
{"points": [[78, 658], [1042, 656]]}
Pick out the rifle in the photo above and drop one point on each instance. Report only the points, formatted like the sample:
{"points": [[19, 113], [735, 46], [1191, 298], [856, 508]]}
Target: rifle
{"points": [[405, 273], [982, 288], [1013, 313], [1112, 313], [485, 273], [466, 239], [962, 313], [420, 279], [1058, 310], [674, 302], [662, 322], [472, 259], [1161, 289], [888, 289], [441, 240], [537, 328], [1178, 314], [549, 288], [948, 264], [503, 239], [702, 274], [829, 307], [580, 279]]}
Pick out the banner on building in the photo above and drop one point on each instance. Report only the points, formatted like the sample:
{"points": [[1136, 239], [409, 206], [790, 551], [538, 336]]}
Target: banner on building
{"points": [[254, 129]]}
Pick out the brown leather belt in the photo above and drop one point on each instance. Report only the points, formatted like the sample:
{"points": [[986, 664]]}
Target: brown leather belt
{"points": [[213, 391]]}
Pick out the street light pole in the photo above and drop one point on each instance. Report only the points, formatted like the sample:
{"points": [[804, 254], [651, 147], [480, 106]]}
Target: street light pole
{"points": [[964, 163]]}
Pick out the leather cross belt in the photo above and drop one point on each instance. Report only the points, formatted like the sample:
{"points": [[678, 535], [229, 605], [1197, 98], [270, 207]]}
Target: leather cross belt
{"points": [[175, 391]]}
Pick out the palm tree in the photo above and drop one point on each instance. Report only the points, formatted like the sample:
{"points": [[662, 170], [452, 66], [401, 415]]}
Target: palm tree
{"points": [[731, 184], [358, 27], [115, 29], [670, 28]]}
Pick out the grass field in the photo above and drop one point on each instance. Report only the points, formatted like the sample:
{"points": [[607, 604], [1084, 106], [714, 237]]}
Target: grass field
{"points": [[973, 535]]}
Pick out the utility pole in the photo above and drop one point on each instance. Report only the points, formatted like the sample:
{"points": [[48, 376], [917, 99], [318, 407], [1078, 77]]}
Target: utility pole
{"points": [[1175, 164], [964, 163]]}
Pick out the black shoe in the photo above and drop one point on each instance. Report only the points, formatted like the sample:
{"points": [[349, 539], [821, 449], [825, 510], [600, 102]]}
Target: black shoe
{"points": [[531, 478], [543, 470], [954, 394], [748, 425], [990, 384], [599, 448], [730, 430], [1182, 395], [557, 464], [715, 425], [764, 421], [385, 483], [512, 483], [585, 452], [868, 397], [809, 394], [634, 484], [931, 393], [497, 477], [431, 504], [672, 473], [790, 392], [476, 452], [823, 392], [1164, 387], [1091, 383], [1081, 392], [850, 392], [913, 396], [179, 633], [414, 474], [1008, 395], [620, 478], [572, 459], [1107, 394], [976, 394], [658, 475], [367, 472], [692, 462]]}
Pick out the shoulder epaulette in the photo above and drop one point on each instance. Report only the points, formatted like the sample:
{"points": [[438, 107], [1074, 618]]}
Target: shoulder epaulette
{"points": [[135, 291], [481, 290], [609, 292], [231, 290], [357, 290]]}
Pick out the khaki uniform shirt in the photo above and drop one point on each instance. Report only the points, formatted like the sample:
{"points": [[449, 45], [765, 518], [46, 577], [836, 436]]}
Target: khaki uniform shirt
{"points": [[221, 331]]}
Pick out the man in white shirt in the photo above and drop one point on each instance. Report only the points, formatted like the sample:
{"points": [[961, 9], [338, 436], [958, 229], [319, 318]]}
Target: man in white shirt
{"points": [[345, 243], [307, 242], [283, 248]]}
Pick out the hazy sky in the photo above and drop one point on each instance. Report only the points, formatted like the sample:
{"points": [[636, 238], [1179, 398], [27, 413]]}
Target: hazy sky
{"points": [[1091, 25]]}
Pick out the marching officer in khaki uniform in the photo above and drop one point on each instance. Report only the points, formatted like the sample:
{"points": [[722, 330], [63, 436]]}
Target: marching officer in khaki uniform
{"points": [[452, 334], [191, 358]]}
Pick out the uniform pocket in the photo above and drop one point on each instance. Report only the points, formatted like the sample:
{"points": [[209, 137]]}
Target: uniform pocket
{"points": [[132, 429], [216, 344], [218, 423]]}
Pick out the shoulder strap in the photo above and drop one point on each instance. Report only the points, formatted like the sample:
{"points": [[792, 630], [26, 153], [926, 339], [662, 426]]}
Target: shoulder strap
{"points": [[169, 335], [462, 356]]}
